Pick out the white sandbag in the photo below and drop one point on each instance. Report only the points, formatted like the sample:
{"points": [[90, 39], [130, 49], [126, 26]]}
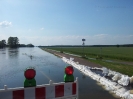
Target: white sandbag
{"points": [[71, 59], [77, 62], [131, 81], [87, 70], [126, 95], [110, 74], [112, 83], [109, 88], [96, 77], [116, 87], [98, 68], [131, 96], [102, 80], [109, 85], [105, 71], [120, 92], [124, 80], [116, 77]]}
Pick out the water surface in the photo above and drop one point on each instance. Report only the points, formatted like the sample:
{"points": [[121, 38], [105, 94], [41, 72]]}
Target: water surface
{"points": [[13, 63]]}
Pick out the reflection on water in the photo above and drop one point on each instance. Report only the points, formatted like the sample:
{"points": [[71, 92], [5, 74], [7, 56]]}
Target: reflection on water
{"points": [[48, 67], [13, 52]]}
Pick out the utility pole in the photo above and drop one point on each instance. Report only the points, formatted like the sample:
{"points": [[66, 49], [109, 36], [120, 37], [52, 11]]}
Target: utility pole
{"points": [[83, 45]]}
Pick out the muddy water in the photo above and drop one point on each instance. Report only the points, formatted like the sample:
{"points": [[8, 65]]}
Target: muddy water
{"points": [[13, 63]]}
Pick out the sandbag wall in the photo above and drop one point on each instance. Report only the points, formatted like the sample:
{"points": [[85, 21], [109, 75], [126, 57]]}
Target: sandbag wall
{"points": [[110, 85]]}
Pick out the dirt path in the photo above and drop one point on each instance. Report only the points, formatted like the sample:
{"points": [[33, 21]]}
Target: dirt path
{"points": [[126, 63], [76, 59], [90, 63]]}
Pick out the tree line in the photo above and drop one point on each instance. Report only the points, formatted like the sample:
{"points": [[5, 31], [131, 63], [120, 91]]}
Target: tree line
{"points": [[121, 45], [13, 42]]}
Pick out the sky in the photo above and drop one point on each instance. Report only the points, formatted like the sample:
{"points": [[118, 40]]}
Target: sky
{"points": [[67, 22]]}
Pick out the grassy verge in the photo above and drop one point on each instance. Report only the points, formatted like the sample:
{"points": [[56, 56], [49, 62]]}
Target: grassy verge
{"points": [[122, 68], [113, 53]]}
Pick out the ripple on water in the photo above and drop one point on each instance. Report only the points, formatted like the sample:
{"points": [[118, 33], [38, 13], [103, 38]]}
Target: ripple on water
{"points": [[12, 70]]}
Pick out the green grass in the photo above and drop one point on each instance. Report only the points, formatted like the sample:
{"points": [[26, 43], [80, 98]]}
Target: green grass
{"points": [[122, 68], [121, 53], [113, 53]]}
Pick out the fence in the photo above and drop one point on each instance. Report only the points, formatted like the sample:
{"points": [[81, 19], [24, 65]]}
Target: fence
{"points": [[46, 91]]}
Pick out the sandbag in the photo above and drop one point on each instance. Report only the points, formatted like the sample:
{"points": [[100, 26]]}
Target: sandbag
{"points": [[131, 81], [105, 71], [124, 80], [116, 77]]}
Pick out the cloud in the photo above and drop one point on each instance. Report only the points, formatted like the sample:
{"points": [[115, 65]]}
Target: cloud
{"points": [[5, 24], [42, 29]]}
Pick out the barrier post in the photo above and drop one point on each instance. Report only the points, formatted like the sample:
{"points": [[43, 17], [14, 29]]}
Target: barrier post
{"points": [[77, 87], [50, 82], [5, 87]]}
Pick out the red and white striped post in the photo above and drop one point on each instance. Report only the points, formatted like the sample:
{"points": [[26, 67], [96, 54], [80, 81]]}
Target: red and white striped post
{"points": [[46, 91]]}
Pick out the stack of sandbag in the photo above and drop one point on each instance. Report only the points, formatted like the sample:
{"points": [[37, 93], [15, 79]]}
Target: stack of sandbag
{"points": [[116, 77], [98, 68], [87, 68], [71, 59], [103, 80], [77, 62], [89, 72], [120, 92], [96, 77], [127, 95], [124, 80], [105, 71], [111, 73], [109, 85], [131, 81], [131, 94], [73, 64]]}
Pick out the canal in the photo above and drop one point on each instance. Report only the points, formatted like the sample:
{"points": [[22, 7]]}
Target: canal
{"points": [[13, 63]]}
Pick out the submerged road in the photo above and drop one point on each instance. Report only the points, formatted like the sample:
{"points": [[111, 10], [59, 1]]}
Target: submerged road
{"points": [[48, 67], [87, 86]]}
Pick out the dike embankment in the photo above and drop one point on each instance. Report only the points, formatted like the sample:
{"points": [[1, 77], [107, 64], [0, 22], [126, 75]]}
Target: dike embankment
{"points": [[80, 60], [120, 87]]}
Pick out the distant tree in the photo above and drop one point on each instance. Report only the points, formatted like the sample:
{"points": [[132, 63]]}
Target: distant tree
{"points": [[30, 45], [2, 43], [22, 45], [13, 41], [118, 45], [16, 41]]}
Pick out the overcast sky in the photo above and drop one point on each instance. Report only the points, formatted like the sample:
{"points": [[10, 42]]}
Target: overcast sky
{"points": [[66, 22]]}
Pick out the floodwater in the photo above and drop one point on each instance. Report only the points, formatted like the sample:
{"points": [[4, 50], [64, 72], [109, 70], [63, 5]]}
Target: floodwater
{"points": [[13, 63]]}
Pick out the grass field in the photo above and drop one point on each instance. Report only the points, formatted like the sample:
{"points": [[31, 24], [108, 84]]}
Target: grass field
{"points": [[112, 53], [121, 53]]}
